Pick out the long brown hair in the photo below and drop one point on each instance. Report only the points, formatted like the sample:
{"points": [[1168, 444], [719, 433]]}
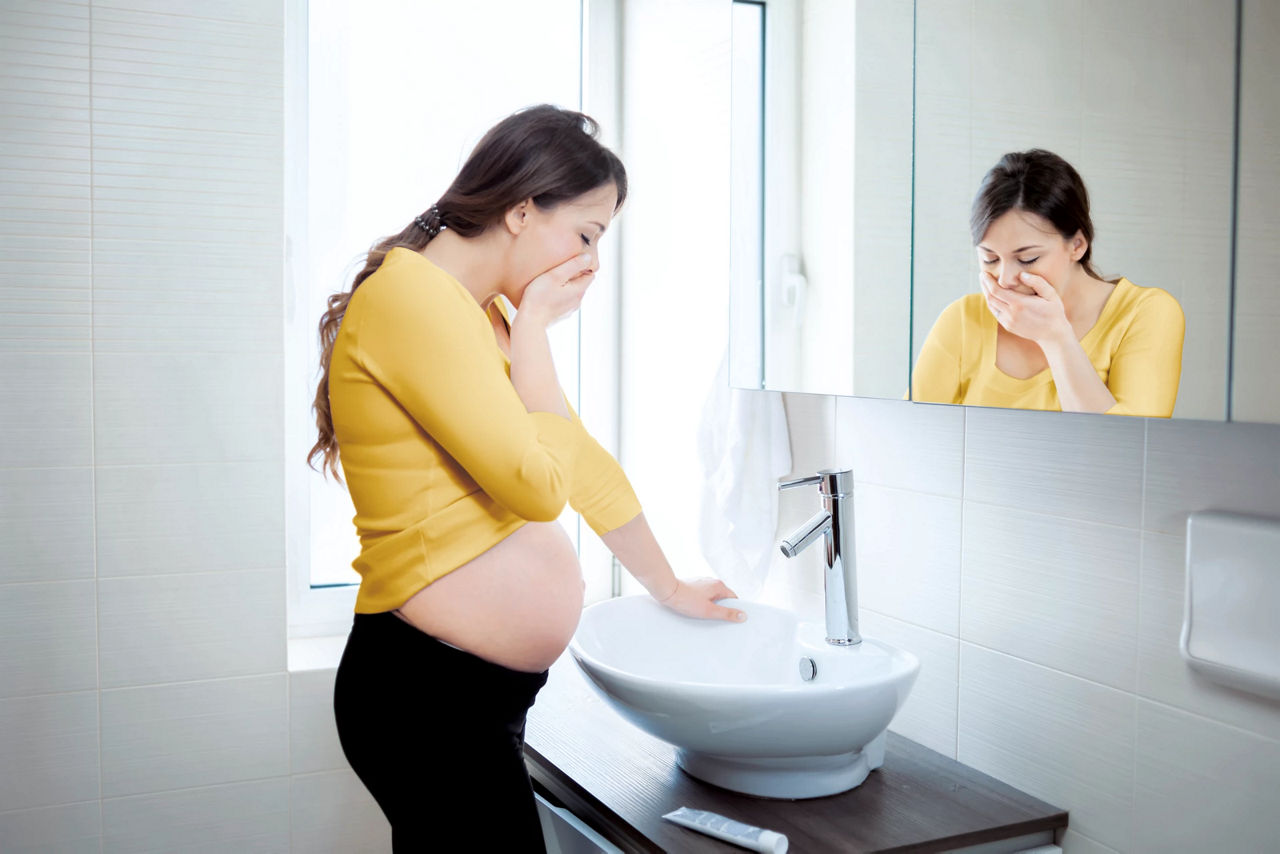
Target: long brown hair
{"points": [[1041, 183], [543, 153]]}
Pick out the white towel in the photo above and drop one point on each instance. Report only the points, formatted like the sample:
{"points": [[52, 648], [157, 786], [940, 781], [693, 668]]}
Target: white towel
{"points": [[744, 450]]}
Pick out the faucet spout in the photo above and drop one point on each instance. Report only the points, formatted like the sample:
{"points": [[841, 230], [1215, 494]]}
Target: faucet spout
{"points": [[835, 524], [806, 534]]}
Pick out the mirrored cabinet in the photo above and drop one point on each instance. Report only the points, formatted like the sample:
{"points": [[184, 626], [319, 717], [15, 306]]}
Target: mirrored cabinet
{"points": [[863, 134]]}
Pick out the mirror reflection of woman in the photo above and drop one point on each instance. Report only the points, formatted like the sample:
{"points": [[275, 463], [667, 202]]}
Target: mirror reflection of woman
{"points": [[1046, 331]]}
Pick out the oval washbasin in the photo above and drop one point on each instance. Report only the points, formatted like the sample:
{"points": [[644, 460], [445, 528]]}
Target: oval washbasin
{"points": [[731, 698]]}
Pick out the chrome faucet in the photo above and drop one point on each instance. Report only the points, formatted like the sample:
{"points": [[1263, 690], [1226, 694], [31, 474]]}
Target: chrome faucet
{"points": [[835, 522]]}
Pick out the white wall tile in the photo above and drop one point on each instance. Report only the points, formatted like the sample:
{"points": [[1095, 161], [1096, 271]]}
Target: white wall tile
{"points": [[900, 444], [1202, 391], [151, 317], [908, 555], [48, 750], [1000, 127], [313, 733], [945, 47], [1083, 467], [187, 408], [44, 182], [929, 714], [194, 734], [333, 813], [46, 524], [189, 92], [811, 425], [1053, 591], [1193, 465], [1253, 385], [1202, 786], [1004, 30], [242, 817], [945, 262], [1078, 843], [1163, 675], [1059, 738], [45, 410], [67, 829], [194, 12], [189, 518], [169, 628], [48, 638]]}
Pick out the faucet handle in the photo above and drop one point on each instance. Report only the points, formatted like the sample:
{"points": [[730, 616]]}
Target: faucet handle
{"points": [[800, 481]]}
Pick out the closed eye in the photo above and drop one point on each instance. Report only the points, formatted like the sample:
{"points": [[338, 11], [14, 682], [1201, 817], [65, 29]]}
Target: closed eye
{"points": [[586, 240], [1029, 261], [990, 260]]}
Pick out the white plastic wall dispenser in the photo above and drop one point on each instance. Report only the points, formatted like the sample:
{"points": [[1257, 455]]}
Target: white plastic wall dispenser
{"points": [[1231, 624]]}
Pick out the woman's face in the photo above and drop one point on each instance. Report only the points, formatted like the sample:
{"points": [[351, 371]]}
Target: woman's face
{"points": [[1020, 241], [548, 238]]}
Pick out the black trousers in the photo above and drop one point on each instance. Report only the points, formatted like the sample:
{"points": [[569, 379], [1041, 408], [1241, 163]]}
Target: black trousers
{"points": [[437, 736]]}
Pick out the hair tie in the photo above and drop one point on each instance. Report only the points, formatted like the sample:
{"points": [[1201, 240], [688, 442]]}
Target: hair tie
{"points": [[426, 223]]}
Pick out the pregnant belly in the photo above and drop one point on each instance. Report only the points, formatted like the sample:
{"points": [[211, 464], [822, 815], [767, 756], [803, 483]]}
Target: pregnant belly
{"points": [[516, 605]]}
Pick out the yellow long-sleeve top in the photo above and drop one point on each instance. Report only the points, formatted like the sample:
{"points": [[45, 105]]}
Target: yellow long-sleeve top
{"points": [[1135, 346], [440, 455]]}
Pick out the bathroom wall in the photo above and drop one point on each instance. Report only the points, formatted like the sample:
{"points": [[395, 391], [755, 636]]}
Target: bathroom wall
{"points": [[144, 699], [1035, 564]]}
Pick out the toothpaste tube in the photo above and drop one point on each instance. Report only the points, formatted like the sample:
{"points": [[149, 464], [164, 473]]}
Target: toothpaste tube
{"points": [[744, 835]]}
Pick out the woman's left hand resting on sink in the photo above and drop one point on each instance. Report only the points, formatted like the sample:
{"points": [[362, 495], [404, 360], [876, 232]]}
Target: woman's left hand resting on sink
{"points": [[696, 598], [637, 549]]}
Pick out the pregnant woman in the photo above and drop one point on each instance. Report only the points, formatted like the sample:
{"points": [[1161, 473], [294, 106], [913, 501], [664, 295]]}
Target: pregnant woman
{"points": [[460, 452], [1046, 331]]}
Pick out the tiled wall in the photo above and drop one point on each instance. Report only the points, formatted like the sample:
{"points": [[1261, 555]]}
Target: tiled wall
{"points": [[144, 700], [1035, 564]]}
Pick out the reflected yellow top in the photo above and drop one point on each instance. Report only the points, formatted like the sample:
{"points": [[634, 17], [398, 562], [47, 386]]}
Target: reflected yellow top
{"points": [[441, 457], [1136, 348]]}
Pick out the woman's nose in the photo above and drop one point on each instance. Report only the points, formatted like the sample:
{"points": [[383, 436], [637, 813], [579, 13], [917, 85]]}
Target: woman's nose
{"points": [[1008, 276]]}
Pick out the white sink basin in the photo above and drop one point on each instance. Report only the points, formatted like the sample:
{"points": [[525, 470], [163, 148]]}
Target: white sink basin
{"points": [[731, 698]]}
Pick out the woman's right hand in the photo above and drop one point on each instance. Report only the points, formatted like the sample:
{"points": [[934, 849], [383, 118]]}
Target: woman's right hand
{"points": [[558, 292]]}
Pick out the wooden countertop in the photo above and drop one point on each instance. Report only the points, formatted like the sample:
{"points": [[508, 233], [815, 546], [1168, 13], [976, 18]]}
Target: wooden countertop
{"points": [[620, 780]]}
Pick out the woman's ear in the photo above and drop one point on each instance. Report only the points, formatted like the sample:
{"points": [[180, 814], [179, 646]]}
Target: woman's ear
{"points": [[518, 217], [1079, 245]]}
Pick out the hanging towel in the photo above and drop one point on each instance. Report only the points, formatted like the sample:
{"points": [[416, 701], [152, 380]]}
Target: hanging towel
{"points": [[744, 449]]}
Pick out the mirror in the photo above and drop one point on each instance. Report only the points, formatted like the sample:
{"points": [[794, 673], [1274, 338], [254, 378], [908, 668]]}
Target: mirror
{"points": [[1140, 98], [821, 196]]}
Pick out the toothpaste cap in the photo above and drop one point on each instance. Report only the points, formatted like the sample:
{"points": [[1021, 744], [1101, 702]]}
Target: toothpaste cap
{"points": [[771, 840]]}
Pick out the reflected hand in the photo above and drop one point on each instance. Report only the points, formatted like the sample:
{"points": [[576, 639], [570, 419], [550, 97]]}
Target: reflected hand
{"points": [[1039, 317], [696, 598]]}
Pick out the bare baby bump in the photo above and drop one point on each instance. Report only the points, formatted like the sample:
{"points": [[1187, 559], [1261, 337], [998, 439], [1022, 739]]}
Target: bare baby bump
{"points": [[516, 604]]}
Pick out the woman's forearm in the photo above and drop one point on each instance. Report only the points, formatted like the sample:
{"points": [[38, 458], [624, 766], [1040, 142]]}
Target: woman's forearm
{"points": [[533, 373], [637, 549], [1080, 389]]}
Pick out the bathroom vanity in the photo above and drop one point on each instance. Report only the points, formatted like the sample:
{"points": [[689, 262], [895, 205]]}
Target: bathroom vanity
{"points": [[620, 781]]}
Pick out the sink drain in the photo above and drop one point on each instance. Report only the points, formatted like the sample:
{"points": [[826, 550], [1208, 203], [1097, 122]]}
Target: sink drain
{"points": [[808, 669]]}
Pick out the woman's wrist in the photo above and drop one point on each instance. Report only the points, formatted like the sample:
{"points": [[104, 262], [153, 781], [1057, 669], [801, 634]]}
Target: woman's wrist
{"points": [[1062, 337], [671, 590], [528, 318]]}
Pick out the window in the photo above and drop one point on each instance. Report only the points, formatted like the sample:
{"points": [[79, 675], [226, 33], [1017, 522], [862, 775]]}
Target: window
{"points": [[384, 100]]}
